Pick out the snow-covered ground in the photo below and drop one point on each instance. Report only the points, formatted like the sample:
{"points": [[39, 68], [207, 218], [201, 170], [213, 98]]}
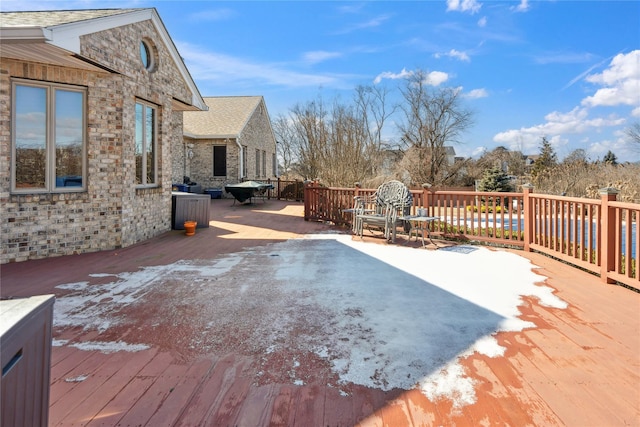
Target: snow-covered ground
{"points": [[382, 316]]}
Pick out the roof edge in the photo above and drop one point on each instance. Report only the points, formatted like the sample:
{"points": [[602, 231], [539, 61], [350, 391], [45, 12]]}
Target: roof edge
{"points": [[67, 36], [24, 34]]}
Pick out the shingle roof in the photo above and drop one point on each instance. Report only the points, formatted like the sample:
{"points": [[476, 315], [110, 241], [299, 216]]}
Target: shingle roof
{"points": [[54, 37], [226, 118], [54, 17]]}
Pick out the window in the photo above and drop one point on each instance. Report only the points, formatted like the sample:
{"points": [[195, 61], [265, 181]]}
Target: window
{"points": [[48, 141], [219, 160], [274, 163], [148, 55], [145, 150], [257, 163], [244, 161], [264, 164]]}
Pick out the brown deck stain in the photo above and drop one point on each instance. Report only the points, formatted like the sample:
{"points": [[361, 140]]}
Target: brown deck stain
{"points": [[579, 366]]}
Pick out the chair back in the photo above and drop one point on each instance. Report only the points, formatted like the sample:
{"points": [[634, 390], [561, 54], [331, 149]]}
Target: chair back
{"points": [[394, 194]]}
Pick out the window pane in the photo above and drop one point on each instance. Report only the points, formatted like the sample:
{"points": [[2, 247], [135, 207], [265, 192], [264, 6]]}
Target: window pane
{"points": [[69, 135], [144, 55], [139, 142], [219, 160], [244, 161], [150, 145], [257, 163], [30, 136]]}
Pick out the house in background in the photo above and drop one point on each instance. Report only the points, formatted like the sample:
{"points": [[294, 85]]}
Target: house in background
{"points": [[95, 102], [231, 142]]}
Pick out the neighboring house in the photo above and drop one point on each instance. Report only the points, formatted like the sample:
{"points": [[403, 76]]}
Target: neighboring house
{"points": [[231, 142], [450, 155], [92, 103]]}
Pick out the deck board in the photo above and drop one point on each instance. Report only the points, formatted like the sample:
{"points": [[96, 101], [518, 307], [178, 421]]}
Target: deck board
{"points": [[578, 366]]}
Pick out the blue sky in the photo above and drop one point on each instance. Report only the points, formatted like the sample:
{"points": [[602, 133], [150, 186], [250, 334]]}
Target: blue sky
{"points": [[567, 70]]}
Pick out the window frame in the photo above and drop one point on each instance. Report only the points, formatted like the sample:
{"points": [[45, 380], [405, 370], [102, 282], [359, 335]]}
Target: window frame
{"points": [[258, 163], [245, 161], [156, 110], [219, 147], [50, 184], [274, 173], [148, 55]]}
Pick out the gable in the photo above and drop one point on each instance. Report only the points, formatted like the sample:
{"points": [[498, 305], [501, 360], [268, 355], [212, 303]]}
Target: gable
{"points": [[226, 117], [55, 37]]}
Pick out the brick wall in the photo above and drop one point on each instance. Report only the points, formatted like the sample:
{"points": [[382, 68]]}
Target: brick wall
{"points": [[257, 134], [111, 213]]}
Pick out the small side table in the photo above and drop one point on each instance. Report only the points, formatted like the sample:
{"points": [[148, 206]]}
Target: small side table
{"points": [[424, 222]]}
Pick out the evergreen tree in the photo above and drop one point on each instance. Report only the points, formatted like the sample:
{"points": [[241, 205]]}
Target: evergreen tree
{"points": [[495, 180], [610, 158], [547, 160]]}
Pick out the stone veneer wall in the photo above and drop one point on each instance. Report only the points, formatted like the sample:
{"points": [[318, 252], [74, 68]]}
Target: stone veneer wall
{"points": [[111, 213], [257, 134], [200, 167]]}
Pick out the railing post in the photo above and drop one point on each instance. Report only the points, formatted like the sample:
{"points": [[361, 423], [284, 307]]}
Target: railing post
{"points": [[529, 217], [607, 241], [307, 200], [426, 189]]}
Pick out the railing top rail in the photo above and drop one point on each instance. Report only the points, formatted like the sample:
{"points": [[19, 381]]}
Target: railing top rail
{"points": [[565, 198], [624, 205], [477, 193]]}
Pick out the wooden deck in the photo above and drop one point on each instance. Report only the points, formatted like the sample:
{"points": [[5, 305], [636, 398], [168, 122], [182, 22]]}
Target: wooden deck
{"points": [[579, 367]]}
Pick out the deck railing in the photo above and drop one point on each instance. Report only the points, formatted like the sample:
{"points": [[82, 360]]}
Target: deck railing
{"points": [[596, 235]]}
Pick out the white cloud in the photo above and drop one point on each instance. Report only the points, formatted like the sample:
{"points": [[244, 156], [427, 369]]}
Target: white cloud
{"points": [[392, 76], [621, 82], [557, 125], [212, 15], [471, 6], [564, 58], [371, 23], [477, 93], [522, 7], [456, 54], [207, 66], [482, 22], [620, 146], [317, 56], [436, 78]]}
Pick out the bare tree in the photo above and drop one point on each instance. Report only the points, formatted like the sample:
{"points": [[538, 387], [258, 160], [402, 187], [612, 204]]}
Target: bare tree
{"points": [[633, 132], [310, 130], [373, 108], [285, 146], [340, 143], [433, 118]]}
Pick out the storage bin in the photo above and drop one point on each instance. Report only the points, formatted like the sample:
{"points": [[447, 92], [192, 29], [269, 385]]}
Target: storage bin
{"points": [[189, 207], [215, 193], [180, 187]]}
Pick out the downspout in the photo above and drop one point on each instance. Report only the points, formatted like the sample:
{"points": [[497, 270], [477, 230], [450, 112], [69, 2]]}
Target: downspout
{"points": [[184, 161], [277, 168], [240, 158]]}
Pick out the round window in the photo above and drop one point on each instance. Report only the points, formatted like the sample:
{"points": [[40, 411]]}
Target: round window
{"points": [[146, 56]]}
